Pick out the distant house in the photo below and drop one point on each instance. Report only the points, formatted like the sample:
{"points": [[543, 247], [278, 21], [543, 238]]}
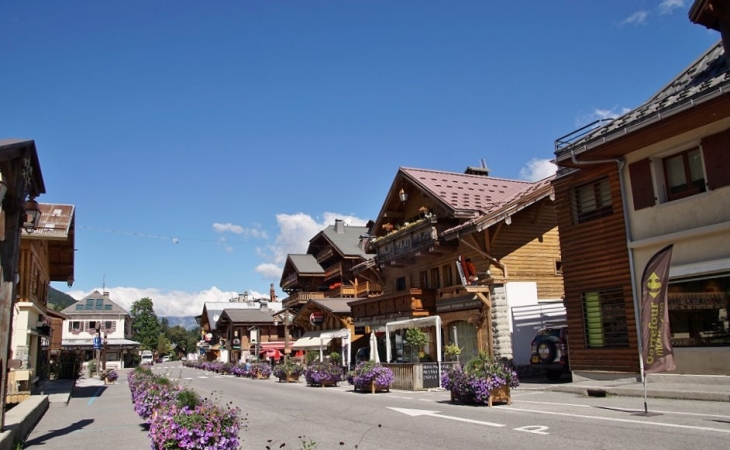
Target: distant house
{"points": [[97, 312], [210, 346], [325, 271], [246, 332], [658, 175]]}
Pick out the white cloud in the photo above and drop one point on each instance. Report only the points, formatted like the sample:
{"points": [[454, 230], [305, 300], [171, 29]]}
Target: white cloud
{"points": [[269, 271], [668, 6], [637, 18], [599, 114], [170, 303], [255, 231], [223, 227], [537, 169]]}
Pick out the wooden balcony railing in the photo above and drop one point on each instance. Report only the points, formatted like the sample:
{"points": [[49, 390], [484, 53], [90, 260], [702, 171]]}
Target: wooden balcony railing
{"points": [[290, 280], [412, 302], [416, 236], [325, 254], [334, 270], [301, 297], [368, 289]]}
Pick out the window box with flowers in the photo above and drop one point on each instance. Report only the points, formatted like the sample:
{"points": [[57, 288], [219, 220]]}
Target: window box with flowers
{"points": [[481, 381]]}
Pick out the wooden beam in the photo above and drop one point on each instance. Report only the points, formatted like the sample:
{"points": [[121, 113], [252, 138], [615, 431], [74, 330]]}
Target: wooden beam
{"points": [[496, 232]]}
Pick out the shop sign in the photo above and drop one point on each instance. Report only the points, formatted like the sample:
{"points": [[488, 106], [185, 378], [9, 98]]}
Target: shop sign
{"points": [[458, 304], [316, 318]]}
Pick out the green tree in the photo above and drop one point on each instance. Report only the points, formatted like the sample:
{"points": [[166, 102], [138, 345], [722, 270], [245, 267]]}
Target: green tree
{"points": [[145, 326], [178, 335], [164, 347]]}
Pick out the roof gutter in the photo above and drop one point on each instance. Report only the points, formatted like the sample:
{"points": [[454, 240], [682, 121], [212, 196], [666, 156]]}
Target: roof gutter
{"points": [[620, 163]]}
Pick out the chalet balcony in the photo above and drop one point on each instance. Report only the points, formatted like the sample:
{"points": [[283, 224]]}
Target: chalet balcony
{"points": [[325, 254], [301, 297], [290, 280], [407, 240], [361, 290], [411, 303], [333, 271]]}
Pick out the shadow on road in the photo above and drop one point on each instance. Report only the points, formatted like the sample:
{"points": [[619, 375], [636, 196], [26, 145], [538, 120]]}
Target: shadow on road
{"points": [[88, 391], [40, 440]]}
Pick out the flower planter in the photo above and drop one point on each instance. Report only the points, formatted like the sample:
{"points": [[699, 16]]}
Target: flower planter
{"points": [[289, 379], [260, 376], [107, 381], [324, 383], [372, 388], [499, 395]]}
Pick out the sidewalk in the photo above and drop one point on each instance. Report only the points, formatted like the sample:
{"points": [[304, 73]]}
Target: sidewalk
{"points": [[90, 414]]}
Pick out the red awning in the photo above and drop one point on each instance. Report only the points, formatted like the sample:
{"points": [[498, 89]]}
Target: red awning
{"points": [[272, 346], [275, 354]]}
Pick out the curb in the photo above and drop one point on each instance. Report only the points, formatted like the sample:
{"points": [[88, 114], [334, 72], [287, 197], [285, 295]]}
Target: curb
{"points": [[602, 391]]}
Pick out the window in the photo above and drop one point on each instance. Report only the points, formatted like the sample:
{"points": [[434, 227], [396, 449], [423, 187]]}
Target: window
{"points": [[108, 325], [107, 307], [558, 267], [698, 311], [604, 319], [99, 303], [74, 326], [89, 303], [684, 174], [79, 306], [435, 279], [592, 201], [423, 277], [400, 284], [92, 325]]}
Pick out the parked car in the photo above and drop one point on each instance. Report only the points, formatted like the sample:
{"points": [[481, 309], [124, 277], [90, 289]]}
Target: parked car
{"points": [[147, 357], [549, 351], [165, 359]]}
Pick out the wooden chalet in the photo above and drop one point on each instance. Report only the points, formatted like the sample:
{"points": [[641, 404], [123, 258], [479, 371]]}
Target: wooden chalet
{"points": [[429, 221], [325, 270], [626, 188], [248, 332], [326, 316], [46, 254]]}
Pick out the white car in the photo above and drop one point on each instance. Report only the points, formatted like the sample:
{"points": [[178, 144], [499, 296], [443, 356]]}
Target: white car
{"points": [[165, 358]]}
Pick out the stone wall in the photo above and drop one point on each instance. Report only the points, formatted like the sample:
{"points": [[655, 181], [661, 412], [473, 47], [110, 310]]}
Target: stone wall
{"points": [[500, 323]]}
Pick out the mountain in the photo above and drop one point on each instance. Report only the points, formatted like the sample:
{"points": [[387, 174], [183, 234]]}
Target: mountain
{"points": [[187, 322], [58, 300]]}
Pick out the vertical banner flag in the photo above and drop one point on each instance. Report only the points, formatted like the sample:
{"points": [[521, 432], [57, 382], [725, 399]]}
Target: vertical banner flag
{"points": [[657, 352]]}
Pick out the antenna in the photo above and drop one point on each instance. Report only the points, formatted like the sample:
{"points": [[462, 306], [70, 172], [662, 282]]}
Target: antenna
{"points": [[103, 283]]}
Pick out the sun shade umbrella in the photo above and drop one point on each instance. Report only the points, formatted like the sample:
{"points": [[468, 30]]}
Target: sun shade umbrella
{"points": [[374, 356]]}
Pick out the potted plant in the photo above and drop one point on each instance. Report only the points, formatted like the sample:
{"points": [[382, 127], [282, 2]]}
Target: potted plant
{"points": [[323, 374], [452, 351], [481, 381], [289, 372], [369, 376], [260, 371], [109, 376], [415, 338]]}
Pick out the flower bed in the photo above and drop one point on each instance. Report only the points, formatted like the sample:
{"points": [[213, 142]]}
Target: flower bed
{"points": [[177, 417], [323, 374], [481, 381], [372, 377], [260, 371]]}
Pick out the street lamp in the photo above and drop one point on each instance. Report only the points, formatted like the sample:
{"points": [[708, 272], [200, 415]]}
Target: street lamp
{"points": [[255, 340], [31, 215]]}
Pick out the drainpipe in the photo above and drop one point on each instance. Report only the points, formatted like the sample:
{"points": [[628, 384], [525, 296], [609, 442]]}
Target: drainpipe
{"points": [[620, 165]]}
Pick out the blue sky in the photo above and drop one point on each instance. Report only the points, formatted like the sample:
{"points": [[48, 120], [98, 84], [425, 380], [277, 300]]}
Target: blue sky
{"points": [[202, 142]]}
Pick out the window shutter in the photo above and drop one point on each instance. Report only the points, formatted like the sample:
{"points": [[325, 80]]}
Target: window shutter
{"points": [[716, 152], [642, 188]]}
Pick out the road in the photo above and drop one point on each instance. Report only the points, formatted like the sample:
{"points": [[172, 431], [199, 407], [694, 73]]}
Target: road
{"points": [[280, 415]]}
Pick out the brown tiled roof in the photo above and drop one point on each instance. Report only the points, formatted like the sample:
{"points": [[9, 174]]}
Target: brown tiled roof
{"points": [[55, 222], [468, 193]]}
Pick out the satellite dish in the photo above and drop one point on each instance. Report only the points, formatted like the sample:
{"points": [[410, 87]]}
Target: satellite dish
{"points": [[216, 317]]}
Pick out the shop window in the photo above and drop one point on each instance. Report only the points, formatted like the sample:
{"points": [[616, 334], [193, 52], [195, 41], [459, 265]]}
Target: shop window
{"points": [[698, 312], [684, 174], [592, 201], [604, 319]]}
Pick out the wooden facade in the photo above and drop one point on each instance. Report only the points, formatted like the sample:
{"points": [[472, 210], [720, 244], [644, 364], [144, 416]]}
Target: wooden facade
{"points": [[595, 258], [325, 271], [419, 241]]}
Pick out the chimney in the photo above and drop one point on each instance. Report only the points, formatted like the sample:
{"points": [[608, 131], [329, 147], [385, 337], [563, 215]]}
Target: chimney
{"points": [[339, 226], [272, 293], [483, 170]]}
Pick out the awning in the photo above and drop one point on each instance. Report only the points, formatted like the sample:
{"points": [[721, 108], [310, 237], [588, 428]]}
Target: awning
{"points": [[270, 346], [311, 340]]}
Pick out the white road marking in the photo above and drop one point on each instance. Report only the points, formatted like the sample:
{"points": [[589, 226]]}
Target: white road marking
{"points": [[610, 419], [423, 412]]}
